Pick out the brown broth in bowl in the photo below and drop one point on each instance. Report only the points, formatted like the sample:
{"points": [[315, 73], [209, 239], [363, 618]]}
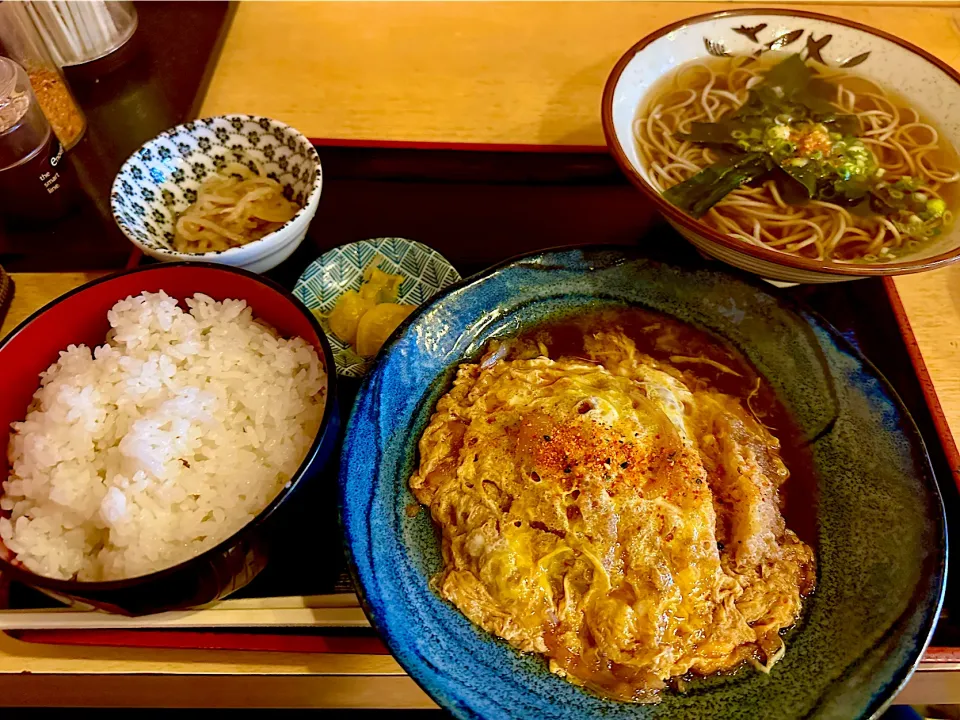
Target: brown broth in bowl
{"points": [[788, 155]]}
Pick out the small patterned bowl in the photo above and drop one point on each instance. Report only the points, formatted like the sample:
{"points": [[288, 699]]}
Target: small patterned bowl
{"points": [[160, 180], [927, 82], [425, 273]]}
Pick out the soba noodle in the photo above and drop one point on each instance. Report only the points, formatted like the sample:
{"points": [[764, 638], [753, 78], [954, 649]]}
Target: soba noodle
{"points": [[909, 152], [234, 207]]}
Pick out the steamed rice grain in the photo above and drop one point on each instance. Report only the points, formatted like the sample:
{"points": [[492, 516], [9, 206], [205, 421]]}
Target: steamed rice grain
{"points": [[160, 443]]}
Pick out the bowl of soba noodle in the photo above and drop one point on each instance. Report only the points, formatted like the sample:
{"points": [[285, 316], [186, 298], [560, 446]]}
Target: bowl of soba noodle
{"points": [[239, 190], [794, 145]]}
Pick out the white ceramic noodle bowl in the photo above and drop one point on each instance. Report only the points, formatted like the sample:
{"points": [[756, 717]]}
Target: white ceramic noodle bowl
{"points": [[926, 82]]}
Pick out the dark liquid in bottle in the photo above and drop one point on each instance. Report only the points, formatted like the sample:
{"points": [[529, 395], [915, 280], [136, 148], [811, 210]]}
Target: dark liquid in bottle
{"points": [[40, 187], [36, 181]]}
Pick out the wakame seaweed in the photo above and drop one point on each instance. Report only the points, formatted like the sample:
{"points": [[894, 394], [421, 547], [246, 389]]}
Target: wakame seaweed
{"points": [[708, 187], [790, 94]]}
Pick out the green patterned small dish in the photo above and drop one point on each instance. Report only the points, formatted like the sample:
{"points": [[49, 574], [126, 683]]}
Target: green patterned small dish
{"points": [[425, 273]]}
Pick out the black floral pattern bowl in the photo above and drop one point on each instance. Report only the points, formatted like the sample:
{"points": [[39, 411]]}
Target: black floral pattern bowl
{"points": [[160, 180]]}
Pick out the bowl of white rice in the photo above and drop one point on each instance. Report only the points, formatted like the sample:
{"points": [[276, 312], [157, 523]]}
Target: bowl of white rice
{"points": [[161, 424]]}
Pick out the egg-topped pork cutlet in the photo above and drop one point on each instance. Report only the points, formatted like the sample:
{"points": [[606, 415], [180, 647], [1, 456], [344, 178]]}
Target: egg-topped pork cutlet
{"points": [[601, 512]]}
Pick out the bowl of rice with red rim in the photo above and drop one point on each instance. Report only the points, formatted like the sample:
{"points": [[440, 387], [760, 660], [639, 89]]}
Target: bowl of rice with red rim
{"points": [[160, 424]]}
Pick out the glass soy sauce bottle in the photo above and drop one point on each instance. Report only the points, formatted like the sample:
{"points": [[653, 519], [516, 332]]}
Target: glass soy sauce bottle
{"points": [[36, 182]]}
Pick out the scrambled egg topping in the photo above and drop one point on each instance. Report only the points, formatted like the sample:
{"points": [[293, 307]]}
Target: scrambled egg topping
{"points": [[602, 513]]}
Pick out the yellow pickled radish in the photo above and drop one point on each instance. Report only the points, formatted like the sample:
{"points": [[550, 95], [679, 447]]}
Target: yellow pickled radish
{"points": [[380, 286], [377, 325], [345, 318]]}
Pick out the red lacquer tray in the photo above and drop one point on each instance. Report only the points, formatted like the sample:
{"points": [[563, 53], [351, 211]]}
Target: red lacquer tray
{"points": [[478, 206]]}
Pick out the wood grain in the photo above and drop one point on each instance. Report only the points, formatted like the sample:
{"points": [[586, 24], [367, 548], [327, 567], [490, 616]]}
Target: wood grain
{"points": [[513, 73], [34, 290], [932, 304]]}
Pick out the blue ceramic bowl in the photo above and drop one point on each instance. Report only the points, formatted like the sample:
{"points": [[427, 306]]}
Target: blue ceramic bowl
{"points": [[881, 542]]}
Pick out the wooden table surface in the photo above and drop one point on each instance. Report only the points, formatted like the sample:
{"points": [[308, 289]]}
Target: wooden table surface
{"points": [[508, 73], [504, 73]]}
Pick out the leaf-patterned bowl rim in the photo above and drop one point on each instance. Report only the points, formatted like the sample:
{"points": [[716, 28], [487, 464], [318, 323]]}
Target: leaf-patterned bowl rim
{"points": [[330, 276], [677, 216], [254, 248]]}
